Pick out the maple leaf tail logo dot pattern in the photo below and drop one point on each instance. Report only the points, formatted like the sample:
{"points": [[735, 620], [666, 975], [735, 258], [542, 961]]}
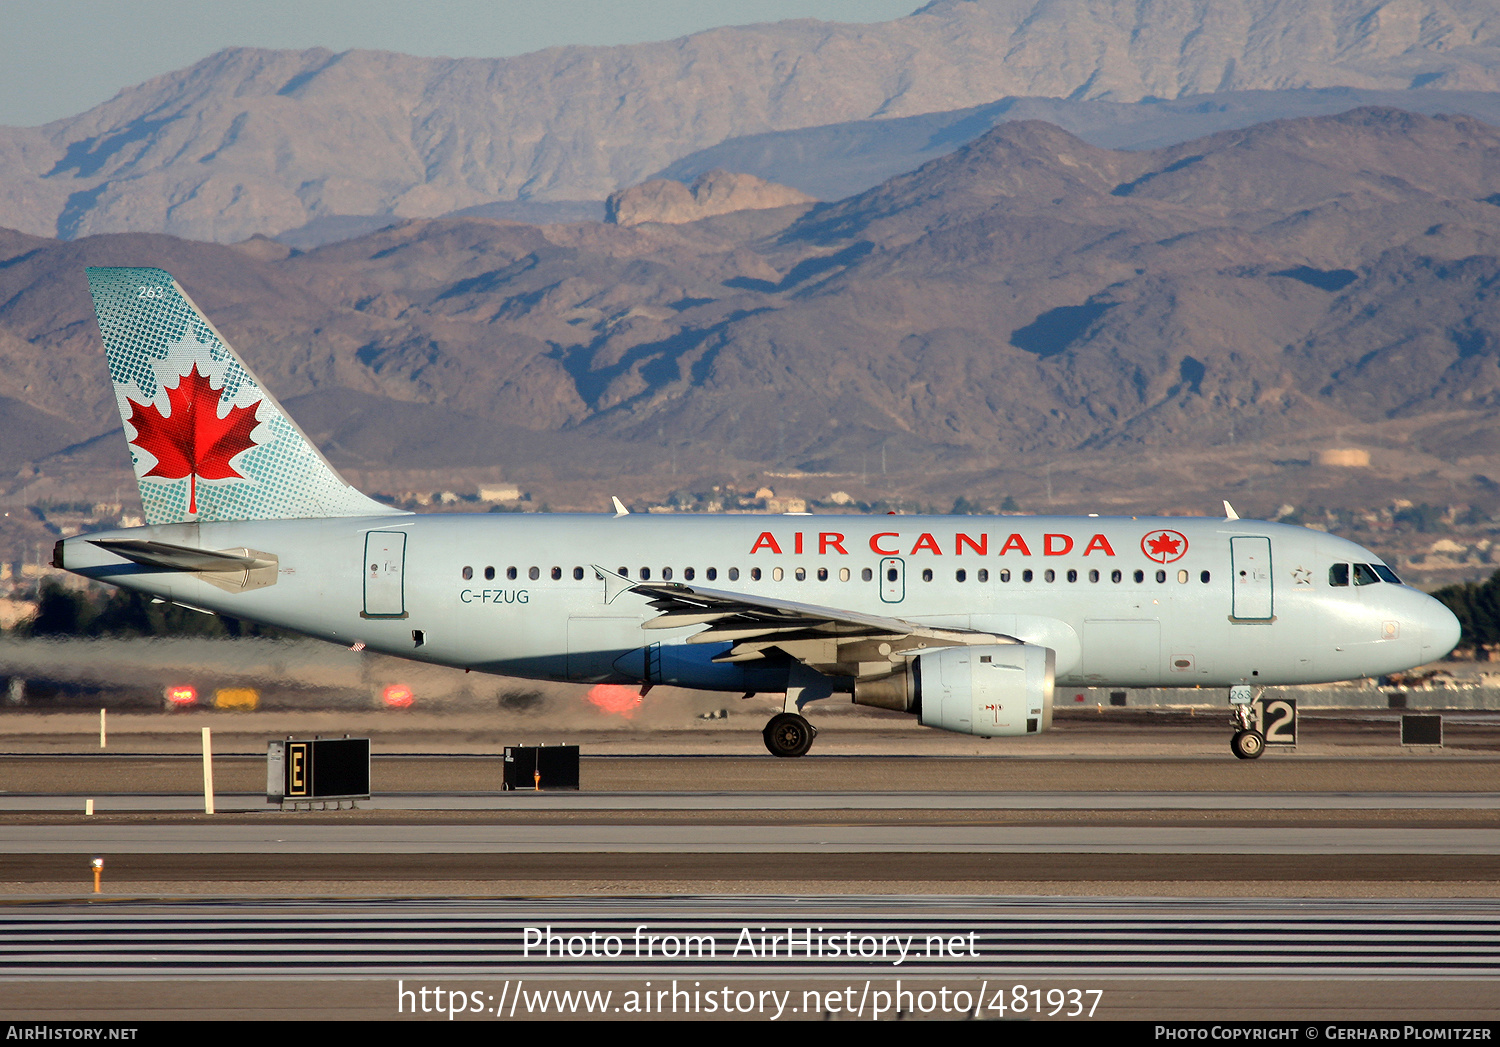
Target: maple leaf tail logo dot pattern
{"points": [[192, 441], [1165, 546]]}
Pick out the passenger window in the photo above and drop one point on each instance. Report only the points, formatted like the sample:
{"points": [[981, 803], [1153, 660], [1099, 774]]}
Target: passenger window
{"points": [[961, 575], [822, 574], [777, 574], [1026, 575], [510, 572], [1049, 575], [927, 574], [983, 575], [1072, 576], [687, 573], [866, 575], [1364, 574], [666, 574], [1005, 575], [1161, 576], [534, 573], [843, 574], [800, 574], [556, 574], [1116, 577], [1204, 577], [1093, 576], [489, 574], [712, 574], [578, 574], [623, 572], [1338, 574], [645, 574], [468, 573], [1182, 577], [891, 575], [754, 574], [734, 574], [1139, 576]]}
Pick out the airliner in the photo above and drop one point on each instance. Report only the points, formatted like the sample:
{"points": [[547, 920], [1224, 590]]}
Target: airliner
{"points": [[968, 623]]}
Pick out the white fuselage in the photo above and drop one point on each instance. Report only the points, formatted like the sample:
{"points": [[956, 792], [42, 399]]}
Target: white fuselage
{"points": [[1122, 601]]}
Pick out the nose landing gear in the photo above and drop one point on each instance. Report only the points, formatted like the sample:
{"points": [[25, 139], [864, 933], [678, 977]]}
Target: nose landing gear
{"points": [[1247, 743]]}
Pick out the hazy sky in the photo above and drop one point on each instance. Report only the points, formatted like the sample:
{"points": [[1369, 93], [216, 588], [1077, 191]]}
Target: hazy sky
{"points": [[60, 57]]}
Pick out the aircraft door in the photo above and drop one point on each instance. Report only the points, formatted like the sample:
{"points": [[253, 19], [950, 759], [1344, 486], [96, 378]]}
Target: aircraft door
{"points": [[385, 570], [1250, 559], [892, 579]]}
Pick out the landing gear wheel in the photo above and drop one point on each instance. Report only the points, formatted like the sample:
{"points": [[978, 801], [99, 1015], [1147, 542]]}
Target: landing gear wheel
{"points": [[1247, 745], [789, 735]]}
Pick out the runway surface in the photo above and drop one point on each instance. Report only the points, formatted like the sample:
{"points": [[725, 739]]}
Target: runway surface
{"points": [[692, 937], [526, 802], [1319, 881], [506, 839]]}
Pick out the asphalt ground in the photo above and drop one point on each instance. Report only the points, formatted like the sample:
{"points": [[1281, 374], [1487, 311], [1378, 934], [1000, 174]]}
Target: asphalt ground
{"points": [[1104, 753]]}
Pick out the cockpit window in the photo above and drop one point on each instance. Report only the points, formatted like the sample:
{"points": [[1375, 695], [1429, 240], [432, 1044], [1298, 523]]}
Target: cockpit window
{"points": [[1364, 574]]}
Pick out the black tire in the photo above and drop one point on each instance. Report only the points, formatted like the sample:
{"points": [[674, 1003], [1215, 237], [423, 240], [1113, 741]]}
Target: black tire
{"points": [[1248, 745], [788, 735]]}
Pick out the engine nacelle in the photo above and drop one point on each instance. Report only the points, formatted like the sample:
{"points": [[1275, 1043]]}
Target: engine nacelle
{"points": [[991, 690]]}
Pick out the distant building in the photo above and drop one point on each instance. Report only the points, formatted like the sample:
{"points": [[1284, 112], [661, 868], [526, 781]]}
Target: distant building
{"points": [[1345, 457]]}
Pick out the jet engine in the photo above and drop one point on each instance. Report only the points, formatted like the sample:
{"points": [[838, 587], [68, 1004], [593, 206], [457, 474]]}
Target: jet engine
{"points": [[991, 690]]}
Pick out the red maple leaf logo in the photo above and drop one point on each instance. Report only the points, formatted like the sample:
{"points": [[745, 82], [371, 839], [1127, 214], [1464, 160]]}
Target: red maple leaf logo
{"points": [[1165, 546], [192, 440]]}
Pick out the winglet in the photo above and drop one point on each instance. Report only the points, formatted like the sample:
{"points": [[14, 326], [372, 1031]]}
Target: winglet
{"points": [[1229, 513], [620, 509], [614, 584]]}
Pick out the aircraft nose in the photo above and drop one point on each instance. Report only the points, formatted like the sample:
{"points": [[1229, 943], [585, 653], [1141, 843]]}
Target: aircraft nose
{"points": [[1440, 630]]}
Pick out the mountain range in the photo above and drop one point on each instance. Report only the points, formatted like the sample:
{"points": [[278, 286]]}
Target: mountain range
{"points": [[254, 141], [1028, 294]]}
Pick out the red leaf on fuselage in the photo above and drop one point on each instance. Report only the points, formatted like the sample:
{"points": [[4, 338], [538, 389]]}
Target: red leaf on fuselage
{"points": [[1164, 545], [192, 440]]}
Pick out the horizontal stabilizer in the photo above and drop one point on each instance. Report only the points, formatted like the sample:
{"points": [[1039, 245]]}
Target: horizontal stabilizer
{"points": [[233, 570], [180, 557]]}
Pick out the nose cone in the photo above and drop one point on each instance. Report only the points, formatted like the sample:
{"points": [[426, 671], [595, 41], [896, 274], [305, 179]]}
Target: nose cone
{"points": [[1440, 631]]}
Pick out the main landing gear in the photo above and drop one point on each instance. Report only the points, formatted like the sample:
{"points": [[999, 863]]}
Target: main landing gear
{"points": [[1247, 743], [789, 734]]}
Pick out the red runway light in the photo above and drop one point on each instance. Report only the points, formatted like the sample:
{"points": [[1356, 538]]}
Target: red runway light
{"points": [[182, 696]]}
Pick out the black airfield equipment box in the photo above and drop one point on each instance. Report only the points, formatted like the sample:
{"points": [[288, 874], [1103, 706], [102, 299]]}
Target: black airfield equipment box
{"points": [[1422, 729], [541, 767], [318, 769]]}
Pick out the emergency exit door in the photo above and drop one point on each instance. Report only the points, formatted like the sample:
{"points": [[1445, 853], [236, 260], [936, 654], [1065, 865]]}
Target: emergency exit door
{"points": [[385, 571], [1250, 558], [892, 579]]}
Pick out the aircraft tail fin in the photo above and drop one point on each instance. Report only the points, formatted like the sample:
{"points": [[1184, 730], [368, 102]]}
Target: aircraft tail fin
{"points": [[208, 442]]}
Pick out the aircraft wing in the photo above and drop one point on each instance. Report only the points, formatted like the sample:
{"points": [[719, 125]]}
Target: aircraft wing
{"points": [[833, 641]]}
